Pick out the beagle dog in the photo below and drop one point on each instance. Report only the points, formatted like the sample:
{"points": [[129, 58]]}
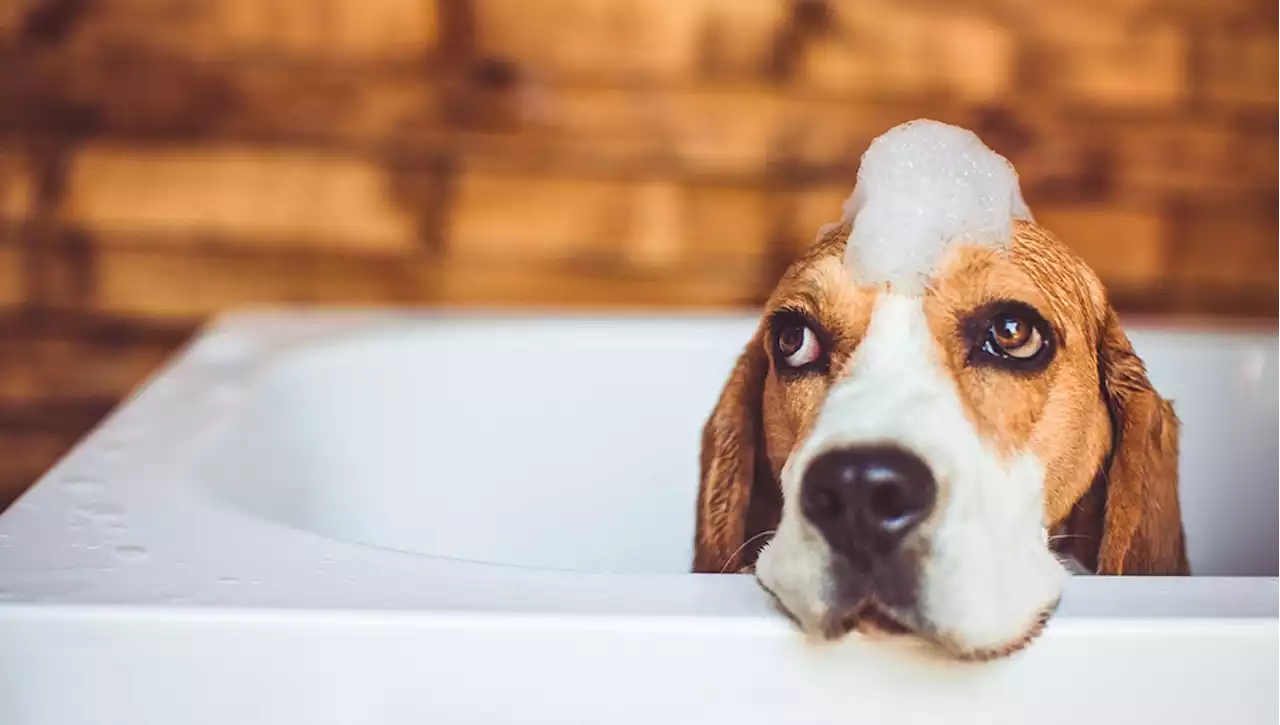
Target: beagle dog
{"points": [[934, 459]]}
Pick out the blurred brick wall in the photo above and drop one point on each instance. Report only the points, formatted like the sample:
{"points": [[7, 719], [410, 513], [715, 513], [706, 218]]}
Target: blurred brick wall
{"points": [[161, 160]]}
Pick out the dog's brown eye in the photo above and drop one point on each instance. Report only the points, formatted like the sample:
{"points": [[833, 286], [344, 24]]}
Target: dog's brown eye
{"points": [[798, 345], [1016, 337], [790, 339], [1013, 334]]}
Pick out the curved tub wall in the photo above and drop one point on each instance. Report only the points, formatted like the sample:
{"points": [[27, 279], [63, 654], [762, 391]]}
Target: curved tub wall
{"points": [[572, 444], [1224, 390], [563, 445]]}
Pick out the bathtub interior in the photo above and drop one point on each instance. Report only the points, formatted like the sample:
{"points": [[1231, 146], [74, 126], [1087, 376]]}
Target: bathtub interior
{"points": [[572, 443]]}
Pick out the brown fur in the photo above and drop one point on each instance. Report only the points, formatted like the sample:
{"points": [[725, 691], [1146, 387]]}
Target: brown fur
{"points": [[1142, 531], [729, 448], [1118, 513]]}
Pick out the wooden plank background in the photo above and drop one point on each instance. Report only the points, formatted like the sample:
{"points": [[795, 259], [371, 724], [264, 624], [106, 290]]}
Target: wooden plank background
{"points": [[162, 160]]}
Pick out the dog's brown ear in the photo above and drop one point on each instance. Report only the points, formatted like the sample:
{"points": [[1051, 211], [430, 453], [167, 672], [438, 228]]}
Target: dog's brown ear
{"points": [[730, 445], [1142, 526]]}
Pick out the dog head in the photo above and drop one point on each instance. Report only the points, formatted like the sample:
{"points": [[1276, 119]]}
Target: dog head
{"points": [[924, 457]]}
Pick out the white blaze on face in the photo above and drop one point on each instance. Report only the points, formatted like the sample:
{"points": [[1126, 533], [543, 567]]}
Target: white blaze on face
{"points": [[923, 186], [988, 575]]}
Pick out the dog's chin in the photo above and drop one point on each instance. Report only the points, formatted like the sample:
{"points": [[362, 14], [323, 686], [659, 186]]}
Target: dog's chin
{"points": [[871, 619], [877, 621], [865, 614]]}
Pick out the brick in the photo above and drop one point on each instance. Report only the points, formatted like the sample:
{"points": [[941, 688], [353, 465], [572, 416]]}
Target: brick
{"points": [[334, 106], [754, 132], [713, 132], [883, 47], [34, 370], [1098, 57], [726, 223], [741, 134], [1232, 246], [655, 234], [11, 283], [650, 222], [1123, 247], [193, 284], [24, 458], [16, 187], [343, 105], [628, 40], [673, 224], [511, 217], [1196, 158], [1240, 68], [238, 197], [13, 13], [706, 131], [812, 208], [489, 286], [893, 49], [354, 31]]}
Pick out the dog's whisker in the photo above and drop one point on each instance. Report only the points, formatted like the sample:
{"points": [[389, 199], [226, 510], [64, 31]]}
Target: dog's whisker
{"points": [[1069, 536], [744, 545]]}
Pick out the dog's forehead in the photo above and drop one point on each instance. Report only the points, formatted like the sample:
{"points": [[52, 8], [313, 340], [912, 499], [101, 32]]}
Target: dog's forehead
{"points": [[1071, 289]]}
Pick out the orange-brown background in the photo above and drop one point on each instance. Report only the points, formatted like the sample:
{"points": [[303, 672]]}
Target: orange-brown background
{"points": [[161, 160]]}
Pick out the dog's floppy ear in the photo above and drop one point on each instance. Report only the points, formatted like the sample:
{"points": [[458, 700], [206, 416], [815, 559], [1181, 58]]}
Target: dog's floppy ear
{"points": [[730, 446], [1142, 526]]}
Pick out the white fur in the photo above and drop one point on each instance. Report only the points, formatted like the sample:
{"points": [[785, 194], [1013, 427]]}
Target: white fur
{"points": [[989, 574]]}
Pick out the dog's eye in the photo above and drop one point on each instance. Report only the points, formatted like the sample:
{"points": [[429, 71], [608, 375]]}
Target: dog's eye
{"points": [[1013, 334], [798, 345]]}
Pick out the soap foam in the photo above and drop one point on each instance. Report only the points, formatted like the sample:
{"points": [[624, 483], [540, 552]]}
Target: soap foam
{"points": [[923, 186]]}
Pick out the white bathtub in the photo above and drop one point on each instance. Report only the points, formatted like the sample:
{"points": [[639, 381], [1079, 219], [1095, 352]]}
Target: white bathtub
{"points": [[411, 518]]}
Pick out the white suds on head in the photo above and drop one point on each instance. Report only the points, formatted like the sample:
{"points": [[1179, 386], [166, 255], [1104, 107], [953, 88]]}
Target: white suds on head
{"points": [[921, 187]]}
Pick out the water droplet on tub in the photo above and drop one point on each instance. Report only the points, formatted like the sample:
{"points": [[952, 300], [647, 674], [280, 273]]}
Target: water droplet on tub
{"points": [[81, 485], [228, 580], [130, 552], [102, 512]]}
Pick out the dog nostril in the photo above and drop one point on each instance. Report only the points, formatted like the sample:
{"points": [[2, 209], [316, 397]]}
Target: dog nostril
{"points": [[887, 500]]}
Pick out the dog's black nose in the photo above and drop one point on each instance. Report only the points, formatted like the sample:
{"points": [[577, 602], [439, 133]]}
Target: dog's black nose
{"points": [[865, 499]]}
